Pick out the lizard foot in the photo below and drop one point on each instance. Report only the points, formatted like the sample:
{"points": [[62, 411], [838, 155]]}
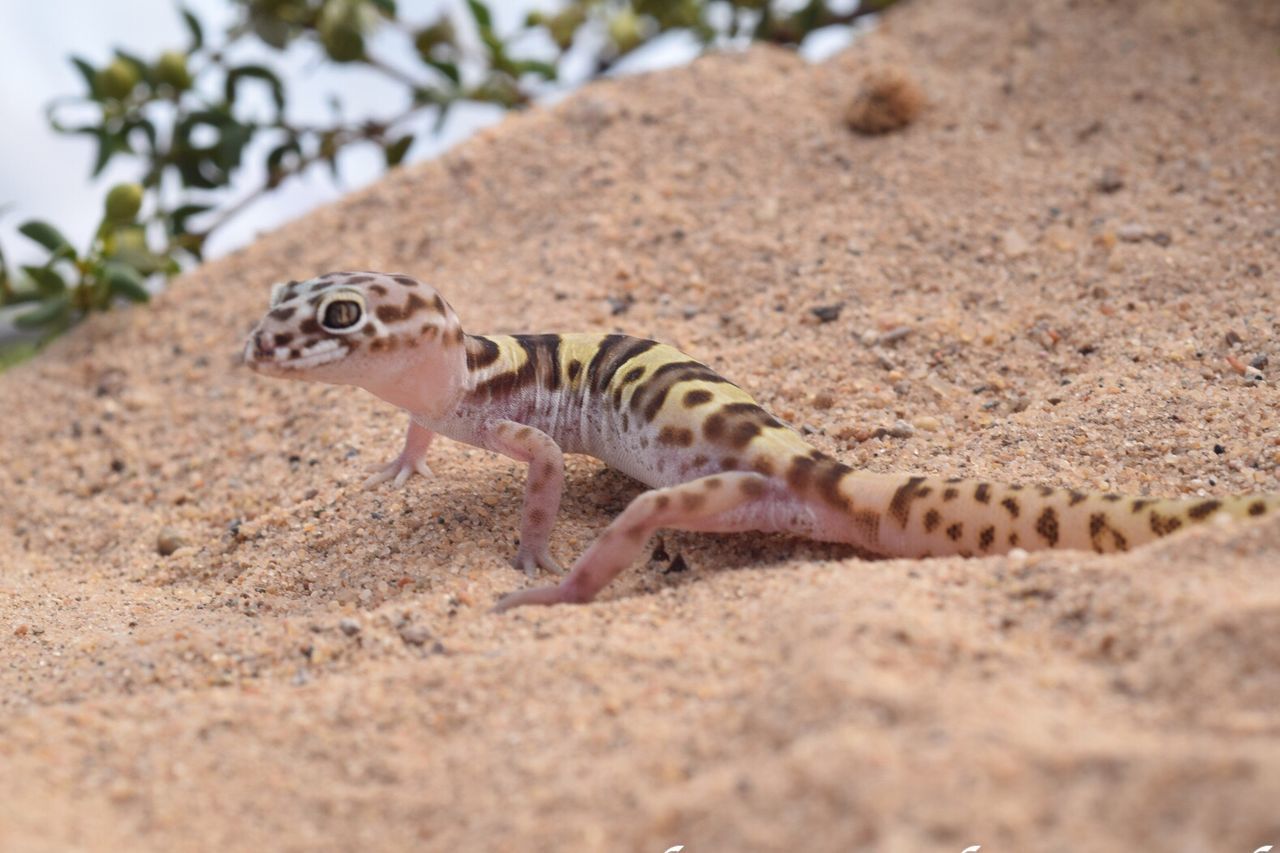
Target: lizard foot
{"points": [[530, 561], [398, 471], [561, 593]]}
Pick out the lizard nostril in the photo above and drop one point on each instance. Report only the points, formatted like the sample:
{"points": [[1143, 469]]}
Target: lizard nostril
{"points": [[262, 344]]}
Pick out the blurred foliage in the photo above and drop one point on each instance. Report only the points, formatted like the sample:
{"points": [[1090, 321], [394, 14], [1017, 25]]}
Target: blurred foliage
{"points": [[184, 121]]}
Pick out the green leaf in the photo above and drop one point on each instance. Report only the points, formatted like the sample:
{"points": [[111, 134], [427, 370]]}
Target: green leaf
{"points": [[47, 312], [24, 295], [48, 236], [481, 13], [192, 243], [193, 27], [277, 170], [89, 74], [448, 69], [497, 51], [395, 151], [231, 145], [441, 116], [208, 166], [125, 281], [48, 281], [142, 68], [128, 247], [179, 216], [141, 260], [545, 70], [109, 145], [16, 352], [386, 7], [145, 125], [258, 72]]}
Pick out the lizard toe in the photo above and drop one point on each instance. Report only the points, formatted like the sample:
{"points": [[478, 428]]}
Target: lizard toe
{"points": [[398, 470], [530, 561]]}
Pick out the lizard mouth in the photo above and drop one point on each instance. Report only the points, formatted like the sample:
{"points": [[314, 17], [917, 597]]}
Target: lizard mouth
{"points": [[261, 355]]}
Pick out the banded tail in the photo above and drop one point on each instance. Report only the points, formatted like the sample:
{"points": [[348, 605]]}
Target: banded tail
{"points": [[924, 516]]}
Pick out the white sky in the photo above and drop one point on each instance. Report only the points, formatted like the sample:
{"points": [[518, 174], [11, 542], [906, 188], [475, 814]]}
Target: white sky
{"points": [[46, 176]]}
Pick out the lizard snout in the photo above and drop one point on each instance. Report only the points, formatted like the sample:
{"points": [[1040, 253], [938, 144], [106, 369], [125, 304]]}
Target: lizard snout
{"points": [[257, 348], [263, 345]]}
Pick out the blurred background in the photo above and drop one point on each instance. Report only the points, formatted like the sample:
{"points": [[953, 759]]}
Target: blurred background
{"points": [[45, 175], [145, 135]]}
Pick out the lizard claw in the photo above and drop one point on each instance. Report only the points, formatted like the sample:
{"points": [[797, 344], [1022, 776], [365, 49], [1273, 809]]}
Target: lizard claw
{"points": [[529, 562], [398, 471]]}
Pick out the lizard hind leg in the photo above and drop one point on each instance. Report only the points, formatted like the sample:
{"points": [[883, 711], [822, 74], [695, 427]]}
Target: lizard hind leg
{"points": [[690, 506]]}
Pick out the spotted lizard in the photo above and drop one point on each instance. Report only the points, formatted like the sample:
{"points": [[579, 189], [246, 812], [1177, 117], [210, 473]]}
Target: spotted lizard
{"points": [[713, 458]]}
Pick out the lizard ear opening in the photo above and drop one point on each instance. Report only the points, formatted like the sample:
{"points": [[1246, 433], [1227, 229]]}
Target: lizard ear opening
{"points": [[278, 291]]}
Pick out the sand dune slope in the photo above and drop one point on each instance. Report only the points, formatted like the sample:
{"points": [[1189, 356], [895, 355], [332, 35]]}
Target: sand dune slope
{"points": [[1053, 276]]}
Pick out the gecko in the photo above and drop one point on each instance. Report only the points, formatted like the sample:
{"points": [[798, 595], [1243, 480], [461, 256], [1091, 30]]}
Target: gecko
{"points": [[714, 460]]}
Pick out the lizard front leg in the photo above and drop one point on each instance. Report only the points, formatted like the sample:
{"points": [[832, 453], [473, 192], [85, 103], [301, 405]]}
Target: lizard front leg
{"points": [[695, 505], [542, 490], [412, 459]]}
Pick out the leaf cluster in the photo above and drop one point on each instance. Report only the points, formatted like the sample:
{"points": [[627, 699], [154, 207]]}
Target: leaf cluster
{"points": [[188, 119]]}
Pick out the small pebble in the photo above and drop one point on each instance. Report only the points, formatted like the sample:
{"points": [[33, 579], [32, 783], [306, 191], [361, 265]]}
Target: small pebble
{"points": [[1015, 245], [349, 626], [1109, 181], [894, 335], [1258, 362], [888, 100], [169, 540], [827, 313], [414, 635], [766, 212], [928, 423], [1233, 338], [901, 429], [1131, 232]]}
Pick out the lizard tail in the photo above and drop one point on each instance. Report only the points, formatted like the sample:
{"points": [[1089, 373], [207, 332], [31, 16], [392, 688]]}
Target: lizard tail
{"points": [[901, 516]]}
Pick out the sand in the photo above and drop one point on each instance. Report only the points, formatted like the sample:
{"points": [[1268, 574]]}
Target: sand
{"points": [[1056, 274]]}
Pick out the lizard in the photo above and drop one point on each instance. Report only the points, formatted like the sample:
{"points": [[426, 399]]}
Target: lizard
{"points": [[714, 460]]}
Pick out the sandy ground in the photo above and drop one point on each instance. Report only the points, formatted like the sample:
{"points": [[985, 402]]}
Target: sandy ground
{"points": [[1046, 278]]}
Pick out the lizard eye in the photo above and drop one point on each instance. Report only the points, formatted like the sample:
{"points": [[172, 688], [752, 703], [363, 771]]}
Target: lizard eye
{"points": [[340, 315]]}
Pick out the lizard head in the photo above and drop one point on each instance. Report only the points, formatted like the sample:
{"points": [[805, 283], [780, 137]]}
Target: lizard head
{"points": [[390, 334]]}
